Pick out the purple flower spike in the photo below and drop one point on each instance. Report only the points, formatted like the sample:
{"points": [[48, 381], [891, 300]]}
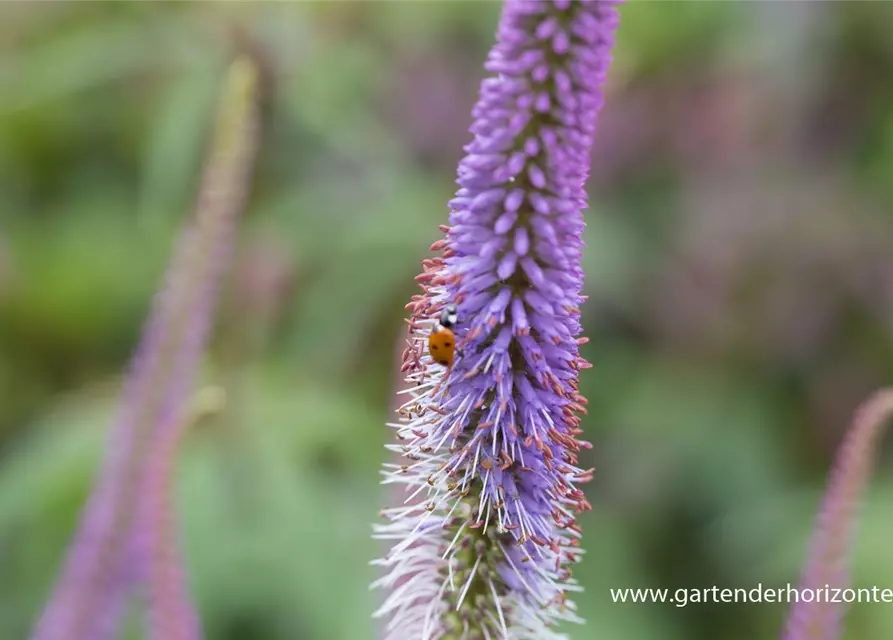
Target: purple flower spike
{"points": [[828, 561], [106, 560], [483, 545], [171, 613]]}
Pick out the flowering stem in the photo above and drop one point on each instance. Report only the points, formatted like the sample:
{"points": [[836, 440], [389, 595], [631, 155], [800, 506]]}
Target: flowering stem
{"points": [[171, 614], [483, 544], [100, 571], [828, 560]]}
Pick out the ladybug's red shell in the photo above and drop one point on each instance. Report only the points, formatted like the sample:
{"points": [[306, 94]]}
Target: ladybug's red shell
{"points": [[442, 345]]}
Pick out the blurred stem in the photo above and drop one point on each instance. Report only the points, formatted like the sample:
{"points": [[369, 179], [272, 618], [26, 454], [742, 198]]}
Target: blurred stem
{"points": [[172, 615], [828, 559], [99, 571]]}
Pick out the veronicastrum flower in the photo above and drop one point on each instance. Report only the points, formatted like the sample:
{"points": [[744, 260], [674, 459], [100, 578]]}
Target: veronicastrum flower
{"points": [[483, 544], [828, 561], [107, 557]]}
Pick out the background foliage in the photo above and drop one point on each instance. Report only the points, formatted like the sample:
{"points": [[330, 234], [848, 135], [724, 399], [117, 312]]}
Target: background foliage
{"points": [[739, 252]]}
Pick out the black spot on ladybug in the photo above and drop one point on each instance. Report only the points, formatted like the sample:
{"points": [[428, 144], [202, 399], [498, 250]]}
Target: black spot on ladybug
{"points": [[448, 344], [434, 347]]}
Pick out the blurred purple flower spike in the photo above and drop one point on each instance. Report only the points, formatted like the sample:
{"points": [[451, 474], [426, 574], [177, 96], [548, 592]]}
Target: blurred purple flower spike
{"points": [[483, 545], [828, 561], [171, 614], [108, 556]]}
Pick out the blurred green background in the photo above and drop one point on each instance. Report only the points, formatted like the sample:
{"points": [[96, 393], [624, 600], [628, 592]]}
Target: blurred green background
{"points": [[739, 254]]}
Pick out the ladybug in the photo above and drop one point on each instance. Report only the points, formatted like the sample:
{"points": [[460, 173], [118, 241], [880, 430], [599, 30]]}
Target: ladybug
{"points": [[442, 340]]}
